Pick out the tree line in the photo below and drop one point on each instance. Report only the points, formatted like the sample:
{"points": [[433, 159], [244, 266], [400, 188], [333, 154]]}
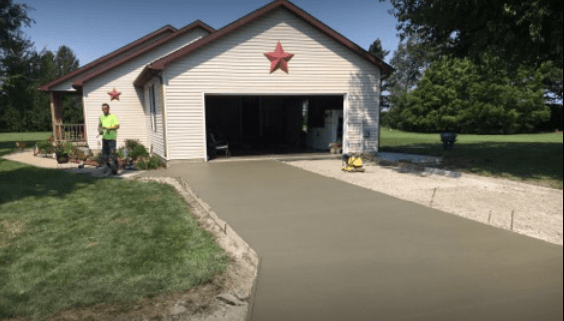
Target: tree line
{"points": [[484, 67], [23, 69]]}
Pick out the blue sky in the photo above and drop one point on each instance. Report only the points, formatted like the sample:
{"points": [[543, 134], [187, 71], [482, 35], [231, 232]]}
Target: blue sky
{"points": [[93, 28]]}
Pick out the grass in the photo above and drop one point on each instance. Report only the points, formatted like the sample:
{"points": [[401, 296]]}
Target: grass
{"points": [[532, 158], [72, 241]]}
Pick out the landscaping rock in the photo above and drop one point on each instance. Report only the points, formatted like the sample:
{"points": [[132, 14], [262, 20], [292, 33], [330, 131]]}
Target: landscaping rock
{"points": [[230, 299], [177, 309]]}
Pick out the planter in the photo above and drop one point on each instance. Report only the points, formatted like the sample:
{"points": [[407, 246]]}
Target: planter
{"points": [[62, 159], [448, 139]]}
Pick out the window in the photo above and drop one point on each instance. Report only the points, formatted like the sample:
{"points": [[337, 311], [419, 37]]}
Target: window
{"points": [[153, 107]]}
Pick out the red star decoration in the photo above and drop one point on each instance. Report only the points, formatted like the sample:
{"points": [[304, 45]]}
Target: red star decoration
{"points": [[278, 58], [114, 94]]}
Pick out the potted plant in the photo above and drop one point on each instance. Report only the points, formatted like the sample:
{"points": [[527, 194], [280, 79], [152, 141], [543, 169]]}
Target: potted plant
{"points": [[336, 148], [62, 152]]}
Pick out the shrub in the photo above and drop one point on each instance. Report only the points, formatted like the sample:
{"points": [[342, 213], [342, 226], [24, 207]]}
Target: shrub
{"points": [[130, 144], [138, 151], [96, 157], [120, 152], [142, 163], [44, 147], [154, 162]]}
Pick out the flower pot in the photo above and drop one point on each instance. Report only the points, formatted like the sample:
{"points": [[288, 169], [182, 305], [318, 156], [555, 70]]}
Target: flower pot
{"points": [[339, 150], [333, 150], [62, 159]]}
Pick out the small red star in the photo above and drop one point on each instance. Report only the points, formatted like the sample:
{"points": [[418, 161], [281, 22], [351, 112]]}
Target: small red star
{"points": [[278, 58], [114, 94]]}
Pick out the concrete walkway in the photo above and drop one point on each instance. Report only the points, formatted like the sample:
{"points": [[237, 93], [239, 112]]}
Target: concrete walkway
{"points": [[26, 157], [334, 251]]}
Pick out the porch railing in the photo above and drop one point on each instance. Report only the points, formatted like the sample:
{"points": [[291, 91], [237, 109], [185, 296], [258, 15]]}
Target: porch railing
{"points": [[69, 132]]}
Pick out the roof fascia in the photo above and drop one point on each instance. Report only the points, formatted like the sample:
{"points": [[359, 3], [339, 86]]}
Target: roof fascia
{"points": [[196, 24], [46, 87]]}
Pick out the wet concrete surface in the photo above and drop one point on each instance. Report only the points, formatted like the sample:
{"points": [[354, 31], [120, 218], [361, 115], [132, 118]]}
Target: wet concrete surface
{"points": [[335, 251]]}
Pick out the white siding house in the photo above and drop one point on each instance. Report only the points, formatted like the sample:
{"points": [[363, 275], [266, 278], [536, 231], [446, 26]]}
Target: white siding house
{"points": [[236, 65], [169, 81]]}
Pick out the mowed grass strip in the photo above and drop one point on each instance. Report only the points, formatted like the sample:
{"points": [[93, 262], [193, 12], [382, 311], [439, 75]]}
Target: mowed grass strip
{"points": [[531, 158], [72, 240]]}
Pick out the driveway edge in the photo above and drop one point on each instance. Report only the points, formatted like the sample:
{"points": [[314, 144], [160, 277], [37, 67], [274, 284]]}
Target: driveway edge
{"points": [[226, 237]]}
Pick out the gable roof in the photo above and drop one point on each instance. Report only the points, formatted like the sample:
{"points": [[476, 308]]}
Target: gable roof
{"points": [[196, 24], [96, 63], [157, 66]]}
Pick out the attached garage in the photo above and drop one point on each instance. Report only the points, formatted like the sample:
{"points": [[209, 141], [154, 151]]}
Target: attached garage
{"points": [[273, 82], [273, 124]]}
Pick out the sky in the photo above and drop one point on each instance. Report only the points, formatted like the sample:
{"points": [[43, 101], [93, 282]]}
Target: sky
{"points": [[94, 28]]}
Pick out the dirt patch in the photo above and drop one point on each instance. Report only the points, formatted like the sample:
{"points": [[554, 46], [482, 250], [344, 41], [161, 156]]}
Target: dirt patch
{"points": [[123, 220], [9, 231], [537, 211]]}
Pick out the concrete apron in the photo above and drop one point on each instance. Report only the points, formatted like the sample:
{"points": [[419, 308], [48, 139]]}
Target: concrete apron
{"points": [[334, 251]]}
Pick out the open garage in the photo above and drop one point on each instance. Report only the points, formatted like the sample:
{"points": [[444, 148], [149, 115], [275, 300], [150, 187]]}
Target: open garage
{"points": [[245, 125]]}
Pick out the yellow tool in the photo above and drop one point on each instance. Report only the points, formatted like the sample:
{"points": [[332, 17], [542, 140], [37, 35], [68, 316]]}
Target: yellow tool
{"points": [[352, 163]]}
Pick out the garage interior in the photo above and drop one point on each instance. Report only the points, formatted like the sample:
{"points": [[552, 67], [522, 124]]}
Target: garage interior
{"points": [[270, 125]]}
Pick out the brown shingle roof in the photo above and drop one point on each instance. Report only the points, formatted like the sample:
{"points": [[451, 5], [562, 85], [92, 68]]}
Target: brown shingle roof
{"points": [[96, 63], [196, 24]]}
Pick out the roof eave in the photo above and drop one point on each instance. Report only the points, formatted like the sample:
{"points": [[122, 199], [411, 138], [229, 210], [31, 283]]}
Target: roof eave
{"points": [[47, 86]]}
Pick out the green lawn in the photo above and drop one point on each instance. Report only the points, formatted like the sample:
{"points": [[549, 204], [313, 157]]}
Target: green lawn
{"points": [[533, 158], [73, 240]]}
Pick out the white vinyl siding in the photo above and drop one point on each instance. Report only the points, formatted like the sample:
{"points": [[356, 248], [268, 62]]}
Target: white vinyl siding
{"points": [[130, 108], [236, 65], [154, 121]]}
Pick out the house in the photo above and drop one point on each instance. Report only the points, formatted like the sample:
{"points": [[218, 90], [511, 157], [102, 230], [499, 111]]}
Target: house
{"points": [[275, 80]]}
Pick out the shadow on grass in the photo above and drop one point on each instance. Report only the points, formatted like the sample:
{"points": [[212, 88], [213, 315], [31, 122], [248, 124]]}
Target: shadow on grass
{"points": [[19, 180], [539, 163]]}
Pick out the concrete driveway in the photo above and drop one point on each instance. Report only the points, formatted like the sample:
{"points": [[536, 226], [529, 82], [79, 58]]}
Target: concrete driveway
{"points": [[335, 251]]}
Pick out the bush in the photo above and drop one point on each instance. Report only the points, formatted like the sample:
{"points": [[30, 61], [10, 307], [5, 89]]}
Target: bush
{"points": [[130, 144], [96, 157], [155, 162], [44, 147], [142, 163], [120, 152], [138, 151]]}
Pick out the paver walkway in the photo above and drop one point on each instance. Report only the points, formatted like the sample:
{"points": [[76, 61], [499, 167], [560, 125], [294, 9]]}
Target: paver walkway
{"points": [[333, 251]]}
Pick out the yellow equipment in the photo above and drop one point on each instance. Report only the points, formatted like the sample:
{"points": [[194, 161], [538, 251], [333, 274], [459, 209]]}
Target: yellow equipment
{"points": [[352, 163]]}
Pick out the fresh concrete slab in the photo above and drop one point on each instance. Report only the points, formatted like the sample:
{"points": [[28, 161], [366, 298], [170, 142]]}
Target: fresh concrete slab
{"points": [[334, 251]]}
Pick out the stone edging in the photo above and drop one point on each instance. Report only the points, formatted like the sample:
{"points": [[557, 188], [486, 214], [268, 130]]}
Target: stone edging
{"points": [[226, 237]]}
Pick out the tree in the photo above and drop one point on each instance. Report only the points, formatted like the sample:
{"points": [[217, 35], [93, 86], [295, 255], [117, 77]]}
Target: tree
{"points": [[14, 49], [458, 95], [410, 60], [65, 61], [377, 50], [518, 32]]}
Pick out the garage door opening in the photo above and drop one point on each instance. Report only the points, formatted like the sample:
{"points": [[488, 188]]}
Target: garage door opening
{"points": [[271, 125]]}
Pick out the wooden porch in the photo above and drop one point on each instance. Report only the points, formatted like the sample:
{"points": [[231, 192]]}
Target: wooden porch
{"points": [[75, 133]]}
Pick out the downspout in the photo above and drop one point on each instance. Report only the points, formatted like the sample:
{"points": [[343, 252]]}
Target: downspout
{"points": [[379, 112]]}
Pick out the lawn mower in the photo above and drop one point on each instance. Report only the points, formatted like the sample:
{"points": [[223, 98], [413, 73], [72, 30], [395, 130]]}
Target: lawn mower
{"points": [[352, 163]]}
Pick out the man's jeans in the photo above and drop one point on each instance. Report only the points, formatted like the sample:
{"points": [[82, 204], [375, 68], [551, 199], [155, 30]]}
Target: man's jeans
{"points": [[108, 149]]}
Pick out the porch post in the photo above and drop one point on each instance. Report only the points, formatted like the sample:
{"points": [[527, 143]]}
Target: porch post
{"points": [[56, 114]]}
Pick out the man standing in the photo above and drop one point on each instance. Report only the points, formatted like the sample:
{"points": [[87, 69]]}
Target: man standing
{"points": [[108, 127]]}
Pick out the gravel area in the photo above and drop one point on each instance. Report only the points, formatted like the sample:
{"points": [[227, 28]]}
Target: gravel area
{"points": [[538, 211]]}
